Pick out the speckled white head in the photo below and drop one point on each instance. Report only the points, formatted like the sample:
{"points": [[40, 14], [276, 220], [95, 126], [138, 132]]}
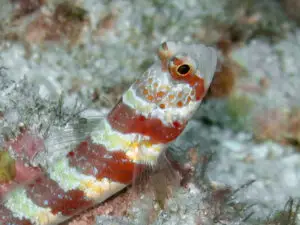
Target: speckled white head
{"points": [[175, 85]]}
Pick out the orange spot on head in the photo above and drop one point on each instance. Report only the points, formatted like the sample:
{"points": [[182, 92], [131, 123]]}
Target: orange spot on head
{"points": [[179, 104], [145, 92], [171, 97], [160, 94], [162, 106], [150, 97]]}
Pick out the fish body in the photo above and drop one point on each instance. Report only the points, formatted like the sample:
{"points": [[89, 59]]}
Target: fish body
{"points": [[152, 113]]}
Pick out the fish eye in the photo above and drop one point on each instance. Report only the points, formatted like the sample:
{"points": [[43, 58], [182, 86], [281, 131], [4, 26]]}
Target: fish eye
{"points": [[181, 66], [183, 69]]}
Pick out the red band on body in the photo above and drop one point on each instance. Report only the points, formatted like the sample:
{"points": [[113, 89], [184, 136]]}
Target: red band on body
{"points": [[126, 120], [95, 160], [39, 188], [46, 193]]}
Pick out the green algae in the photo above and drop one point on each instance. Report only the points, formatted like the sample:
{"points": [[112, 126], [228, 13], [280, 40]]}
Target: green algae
{"points": [[7, 167]]}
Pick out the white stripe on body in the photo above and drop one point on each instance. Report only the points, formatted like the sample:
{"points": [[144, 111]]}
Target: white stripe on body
{"points": [[136, 146], [23, 207], [70, 178]]}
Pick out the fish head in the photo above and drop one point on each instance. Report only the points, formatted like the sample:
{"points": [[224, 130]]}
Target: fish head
{"points": [[179, 80]]}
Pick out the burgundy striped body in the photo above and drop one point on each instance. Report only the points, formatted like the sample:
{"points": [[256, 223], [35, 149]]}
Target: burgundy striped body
{"points": [[151, 114]]}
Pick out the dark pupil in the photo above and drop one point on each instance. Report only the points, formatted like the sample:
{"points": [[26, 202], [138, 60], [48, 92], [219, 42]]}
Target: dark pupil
{"points": [[183, 69]]}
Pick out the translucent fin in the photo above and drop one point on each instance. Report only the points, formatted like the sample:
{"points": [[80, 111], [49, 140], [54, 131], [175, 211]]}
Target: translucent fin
{"points": [[62, 140], [159, 180]]}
